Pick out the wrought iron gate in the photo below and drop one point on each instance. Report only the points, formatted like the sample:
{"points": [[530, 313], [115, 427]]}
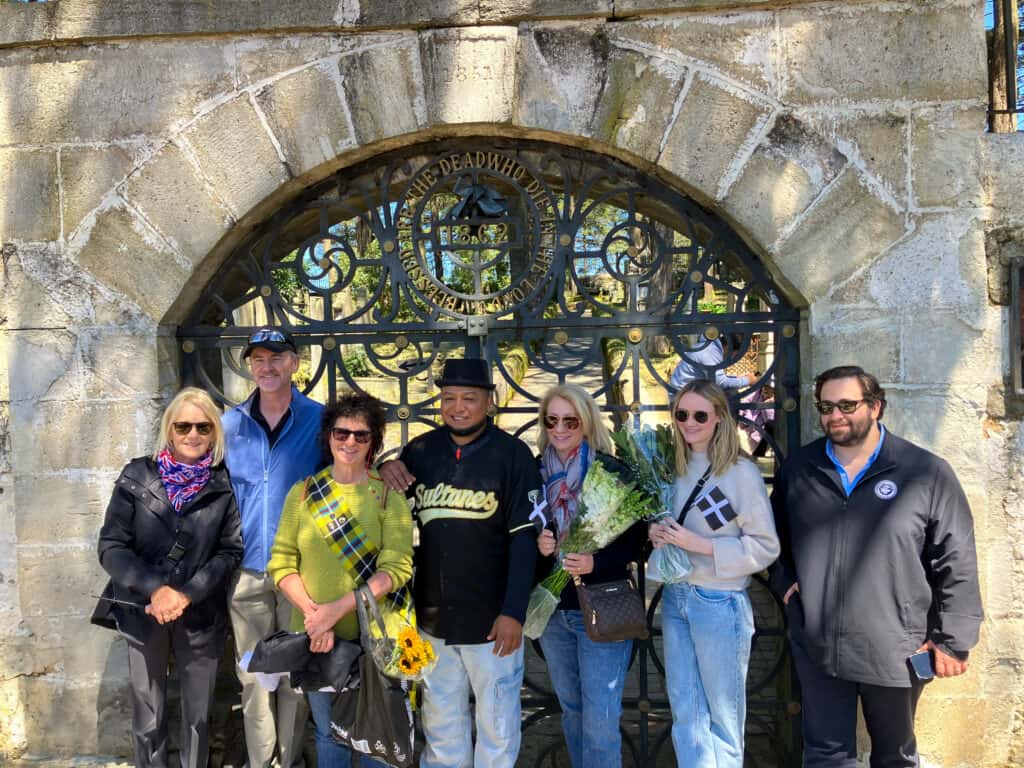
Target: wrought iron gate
{"points": [[554, 264]]}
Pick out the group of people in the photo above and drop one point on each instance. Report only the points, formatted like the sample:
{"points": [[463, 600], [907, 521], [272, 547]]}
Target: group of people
{"points": [[273, 515]]}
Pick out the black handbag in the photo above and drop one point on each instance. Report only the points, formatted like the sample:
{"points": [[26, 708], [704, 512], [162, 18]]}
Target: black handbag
{"points": [[612, 611]]}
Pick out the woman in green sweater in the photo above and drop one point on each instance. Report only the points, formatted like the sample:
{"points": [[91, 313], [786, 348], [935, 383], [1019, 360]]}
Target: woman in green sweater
{"points": [[341, 529]]}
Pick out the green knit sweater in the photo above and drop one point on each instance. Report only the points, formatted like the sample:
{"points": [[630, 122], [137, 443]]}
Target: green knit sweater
{"points": [[299, 547]]}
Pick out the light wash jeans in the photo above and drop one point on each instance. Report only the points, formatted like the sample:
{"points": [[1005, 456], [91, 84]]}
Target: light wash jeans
{"points": [[495, 682], [329, 753], [588, 678], [707, 635]]}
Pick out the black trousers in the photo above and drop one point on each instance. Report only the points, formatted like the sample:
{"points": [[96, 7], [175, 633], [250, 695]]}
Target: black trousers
{"points": [[829, 719], [195, 658]]}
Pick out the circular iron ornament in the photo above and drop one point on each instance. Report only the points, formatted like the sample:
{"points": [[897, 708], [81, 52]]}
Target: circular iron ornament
{"points": [[266, 290], [325, 263], [565, 240], [403, 412], [636, 407], [329, 344], [188, 347], [561, 337], [388, 246], [788, 331], [635, 335], [696, 276], [789, 405], [460, 234], [401, 341], [711, 333]]}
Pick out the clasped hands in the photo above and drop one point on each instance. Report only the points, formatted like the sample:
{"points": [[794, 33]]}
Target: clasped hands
{"points": [[319, 621], [167, 604]]}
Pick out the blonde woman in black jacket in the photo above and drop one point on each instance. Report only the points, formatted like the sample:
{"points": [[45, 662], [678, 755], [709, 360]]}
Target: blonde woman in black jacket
{"points": [[170, 540]]}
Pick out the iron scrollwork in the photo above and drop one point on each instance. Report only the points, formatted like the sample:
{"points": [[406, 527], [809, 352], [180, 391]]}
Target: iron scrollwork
{"points": [[570, 266]]}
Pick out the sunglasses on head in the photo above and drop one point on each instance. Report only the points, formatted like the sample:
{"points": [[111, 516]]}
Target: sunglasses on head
{"points": [[571, 423], [182, 428], [825, 407], [267, 334], [683, 416], [342, 435]]}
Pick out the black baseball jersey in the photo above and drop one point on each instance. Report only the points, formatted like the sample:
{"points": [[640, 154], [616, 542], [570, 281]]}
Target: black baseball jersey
{"points": [[477, 549]]}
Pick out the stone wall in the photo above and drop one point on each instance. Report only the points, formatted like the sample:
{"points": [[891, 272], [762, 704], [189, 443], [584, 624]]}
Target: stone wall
{"points": [[139, 141]]}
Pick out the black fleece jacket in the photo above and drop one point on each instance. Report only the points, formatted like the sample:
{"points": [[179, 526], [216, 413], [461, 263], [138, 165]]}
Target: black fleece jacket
{"points": [[882, 571]]}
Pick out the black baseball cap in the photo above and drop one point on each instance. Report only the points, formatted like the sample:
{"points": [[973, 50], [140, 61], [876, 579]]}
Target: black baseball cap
{"points": [[273, 339]]}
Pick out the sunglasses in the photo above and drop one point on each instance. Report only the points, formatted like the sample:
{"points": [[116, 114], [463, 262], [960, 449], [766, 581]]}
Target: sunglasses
{"points": [[572, 423], [182, 428], [825, 407], [342, 435], [267, 334], [683, 416]]}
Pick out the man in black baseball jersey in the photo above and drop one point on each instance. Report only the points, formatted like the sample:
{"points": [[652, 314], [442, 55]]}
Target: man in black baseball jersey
{"points": [[471, 484], [878, 574]]}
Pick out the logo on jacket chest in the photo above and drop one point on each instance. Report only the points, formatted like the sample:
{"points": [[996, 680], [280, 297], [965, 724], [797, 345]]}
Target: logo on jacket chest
{"points": [[886, 489]]}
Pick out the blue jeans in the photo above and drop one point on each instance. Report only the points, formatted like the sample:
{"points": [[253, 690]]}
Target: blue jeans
{"points": [[707, 635], [588, 678], [447, 725], [329, 753]]}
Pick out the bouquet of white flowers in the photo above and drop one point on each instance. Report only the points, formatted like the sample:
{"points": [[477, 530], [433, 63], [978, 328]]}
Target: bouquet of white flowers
{"points": [[651, 455], [608, 506]]}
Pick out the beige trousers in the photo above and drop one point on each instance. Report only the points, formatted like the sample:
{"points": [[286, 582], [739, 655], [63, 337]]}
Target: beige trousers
{"points": [[257, 610]]}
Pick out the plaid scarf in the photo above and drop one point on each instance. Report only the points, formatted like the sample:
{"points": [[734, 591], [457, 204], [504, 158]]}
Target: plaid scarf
{"points": [[182, 482], [562, 484], [346, 537]]}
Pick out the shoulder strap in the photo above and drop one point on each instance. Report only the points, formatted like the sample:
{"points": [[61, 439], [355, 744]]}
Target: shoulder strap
{"points": [[347, 539], [693, 495]]}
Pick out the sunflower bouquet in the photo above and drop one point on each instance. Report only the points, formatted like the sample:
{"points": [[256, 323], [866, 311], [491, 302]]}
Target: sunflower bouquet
{"points": [[396, 647], [412, 657]]}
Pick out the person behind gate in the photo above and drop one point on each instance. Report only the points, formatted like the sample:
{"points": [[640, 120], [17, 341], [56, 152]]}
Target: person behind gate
{"points": [[272, 442], [471, 484], [170, 542], [318, 566], [725, 525], [588, 676], [878, 575]]}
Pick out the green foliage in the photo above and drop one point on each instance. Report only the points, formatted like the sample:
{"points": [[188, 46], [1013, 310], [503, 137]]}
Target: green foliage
{"points": [[356, 362]]}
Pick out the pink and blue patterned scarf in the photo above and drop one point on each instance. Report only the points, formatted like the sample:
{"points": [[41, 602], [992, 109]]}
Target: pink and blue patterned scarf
{"points": [[183, 482], [562, 484]]}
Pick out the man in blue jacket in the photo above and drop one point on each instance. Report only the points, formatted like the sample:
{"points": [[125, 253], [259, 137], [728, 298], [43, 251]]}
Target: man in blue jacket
{"points": [[878, 565], [272, 442]]}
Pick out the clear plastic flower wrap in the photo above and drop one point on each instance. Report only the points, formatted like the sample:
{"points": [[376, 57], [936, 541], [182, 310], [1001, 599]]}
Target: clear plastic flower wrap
{"points": [[651, 455]]}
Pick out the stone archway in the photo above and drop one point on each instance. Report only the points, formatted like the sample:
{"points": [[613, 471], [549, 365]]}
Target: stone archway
{"points": [[721, 105]]}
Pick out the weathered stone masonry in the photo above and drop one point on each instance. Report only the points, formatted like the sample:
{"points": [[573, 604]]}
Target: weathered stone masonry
{"points": [[845, 140]]}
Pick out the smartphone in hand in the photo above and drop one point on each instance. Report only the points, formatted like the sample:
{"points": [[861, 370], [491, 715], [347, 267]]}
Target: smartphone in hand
{"points": [[921, 664]]}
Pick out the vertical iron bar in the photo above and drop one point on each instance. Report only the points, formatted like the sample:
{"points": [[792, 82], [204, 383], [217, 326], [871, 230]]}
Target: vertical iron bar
{"points": [[1010, 45]]}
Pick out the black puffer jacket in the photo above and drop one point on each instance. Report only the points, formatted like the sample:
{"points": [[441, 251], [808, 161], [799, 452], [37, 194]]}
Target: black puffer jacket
{"points": [[139, 531], [880, 571]]}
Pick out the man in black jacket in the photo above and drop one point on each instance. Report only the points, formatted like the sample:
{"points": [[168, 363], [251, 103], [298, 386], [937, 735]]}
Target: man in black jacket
{"points": [[471, 485], [878, 564]]}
